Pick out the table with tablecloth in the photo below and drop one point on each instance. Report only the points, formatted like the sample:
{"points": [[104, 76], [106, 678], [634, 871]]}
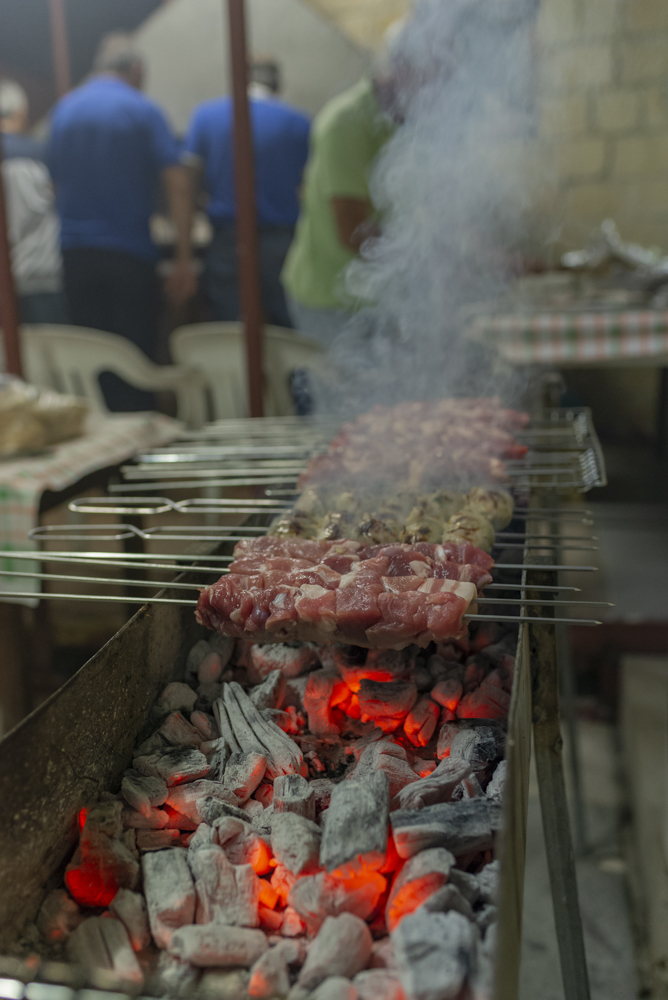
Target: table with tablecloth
{"points": [[108, 441], [579, 339]]}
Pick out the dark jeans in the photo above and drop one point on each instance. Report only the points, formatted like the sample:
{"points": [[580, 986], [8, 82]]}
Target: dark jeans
{"points": [[116, 292], [221, 277], [43, 307]]}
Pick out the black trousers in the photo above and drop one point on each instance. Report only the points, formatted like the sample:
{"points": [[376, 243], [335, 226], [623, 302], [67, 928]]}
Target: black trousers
{"points": [[116, 292]]}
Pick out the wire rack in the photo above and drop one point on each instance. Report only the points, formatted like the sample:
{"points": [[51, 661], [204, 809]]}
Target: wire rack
{"points": [[265, 454]]}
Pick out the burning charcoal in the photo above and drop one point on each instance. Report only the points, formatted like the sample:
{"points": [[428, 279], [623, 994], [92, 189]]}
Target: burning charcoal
{"points": [[317, 698], [207, 696], [292, 659], [294, 692], [178, 731], [390, 758], [187, 798], [225, 726], [157, 819], [287, 722], [292, 926], [210, 668], [294, 794], [99, 943], [386, 703], [271, 692], [175, 765], [130, 909], [448, 897], [243, 773], [295, 842], [420, 723], [486, 916], [334, 988], [419, 879], [264, 793], [445, 739], [142, 792], [422, 679], [460, 827], [101, 864], [58, 916], [177, 821], [442, 669], [253, 808], [318, 896], [357, 747], [355, 829], [477, 746], [269, 976], [487, 702], [170, 893], [242, 845], [157, 840], [216, 754], [322, 788], [226, 893], [196, 655], [474, 674], [375, 665], [495, 788], [378, 984], [488, 880], [437, 786], [171, 977], [434, 953], [176, 697], [467, 885], [448, 693], [341, 948], [205, 725], [502, 653], [218, 944], [471, 787]]}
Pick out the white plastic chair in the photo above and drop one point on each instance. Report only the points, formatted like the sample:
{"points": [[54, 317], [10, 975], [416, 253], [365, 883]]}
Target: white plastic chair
{"points": [[218, 351], [70, 359]]}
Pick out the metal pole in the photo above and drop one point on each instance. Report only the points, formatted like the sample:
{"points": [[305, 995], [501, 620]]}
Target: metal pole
{"points": [[59, 47], [9, 312], [247, 235]]}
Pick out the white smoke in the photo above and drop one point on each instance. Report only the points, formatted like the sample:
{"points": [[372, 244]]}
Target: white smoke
{"points": [[453, 195]]}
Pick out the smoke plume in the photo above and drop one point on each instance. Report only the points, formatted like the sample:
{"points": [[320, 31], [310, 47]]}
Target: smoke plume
{"points": [[452, 195]]}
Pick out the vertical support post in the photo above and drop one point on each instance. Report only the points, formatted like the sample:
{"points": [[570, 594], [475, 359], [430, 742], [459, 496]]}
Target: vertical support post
{"points": [[247, 235], [59, 47], [9, 312]]}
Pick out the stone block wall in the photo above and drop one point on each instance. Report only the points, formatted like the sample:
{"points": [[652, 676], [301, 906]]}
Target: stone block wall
{"points": [[603, 110]]}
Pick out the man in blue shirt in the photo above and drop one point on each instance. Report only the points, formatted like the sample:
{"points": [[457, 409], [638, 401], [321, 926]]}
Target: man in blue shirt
{"points": [[109, 148], [280, 138]]}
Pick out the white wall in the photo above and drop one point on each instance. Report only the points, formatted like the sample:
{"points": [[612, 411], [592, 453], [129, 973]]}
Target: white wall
{"points": [[185, 44]]}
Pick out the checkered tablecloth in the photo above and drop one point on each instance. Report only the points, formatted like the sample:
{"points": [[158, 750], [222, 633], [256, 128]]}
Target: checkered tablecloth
{"points": [[108, 441], [552, 337]]}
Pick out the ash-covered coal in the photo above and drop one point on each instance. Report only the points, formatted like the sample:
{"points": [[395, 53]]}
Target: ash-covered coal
{"points": [[297, 842]]}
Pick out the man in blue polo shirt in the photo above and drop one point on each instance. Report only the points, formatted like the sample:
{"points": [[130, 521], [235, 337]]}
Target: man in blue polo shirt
{"points": [[280, 138], [109, 149]]}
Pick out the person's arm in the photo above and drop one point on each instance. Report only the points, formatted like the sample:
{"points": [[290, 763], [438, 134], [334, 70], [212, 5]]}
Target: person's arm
{"points": [[181, 284], [354, 223]]}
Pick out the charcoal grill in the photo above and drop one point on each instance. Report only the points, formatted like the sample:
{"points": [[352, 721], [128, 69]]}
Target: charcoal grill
{"points": [[78, 743]]}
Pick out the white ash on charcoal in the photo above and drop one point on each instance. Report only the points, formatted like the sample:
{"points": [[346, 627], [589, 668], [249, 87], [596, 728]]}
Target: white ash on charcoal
{"points": [[218, 944], [342, 947], [175, 765], [179, 732], [355, 827], [333, 988], [420, 878], [177, 697], [291, 658], [98, 943], [295, 842], [447, 898], [323, 895], [271, 692], [294, 794], [435, 787], [224, 984], [130, 908], [226, 893], [435, 953], [378, 984], [464, 827], [270, 976], [243, 773], [206, 726], [170, 893]]}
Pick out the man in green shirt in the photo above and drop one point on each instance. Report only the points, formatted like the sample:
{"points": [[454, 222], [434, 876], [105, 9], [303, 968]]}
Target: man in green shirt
{"points": [[336, 213]]}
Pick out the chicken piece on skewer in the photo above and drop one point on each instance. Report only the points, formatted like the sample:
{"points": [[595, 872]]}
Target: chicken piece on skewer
{"points": [[497, 505], [294, 524], [378, 531], [470, 526], [426, 520], [334, 526]]}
